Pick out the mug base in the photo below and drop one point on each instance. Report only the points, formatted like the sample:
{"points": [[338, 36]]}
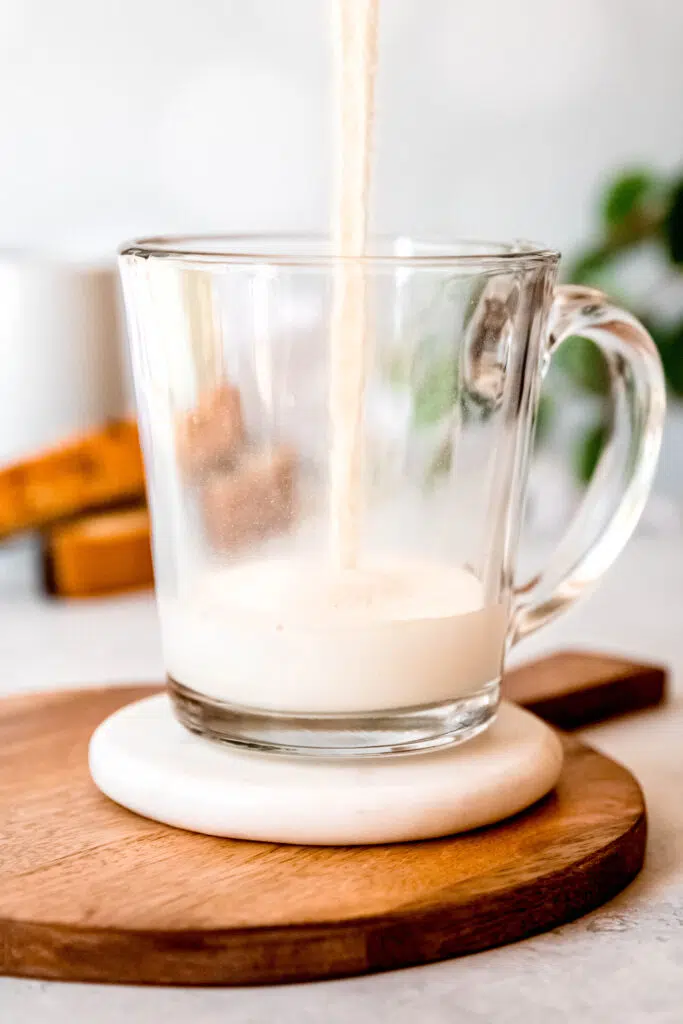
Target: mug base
{"points": [[347, 735]]}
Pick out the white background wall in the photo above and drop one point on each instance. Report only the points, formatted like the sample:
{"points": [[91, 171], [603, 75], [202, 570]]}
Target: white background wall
{"points": [[496, 117]]}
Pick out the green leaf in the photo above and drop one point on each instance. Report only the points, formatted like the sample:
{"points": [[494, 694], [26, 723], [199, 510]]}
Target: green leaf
{"points": [[441, 463], [673, 224], [626, 197], [584, 364], [589, 264], [397, 370], [436, 393], [589, 450], [670, 347], [544, 418]]}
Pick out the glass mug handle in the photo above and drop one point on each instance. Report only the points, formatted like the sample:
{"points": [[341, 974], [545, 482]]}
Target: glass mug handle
{"points": [[619, 488]]}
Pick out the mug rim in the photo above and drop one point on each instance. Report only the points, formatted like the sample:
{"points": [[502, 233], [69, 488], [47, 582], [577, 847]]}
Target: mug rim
{"points": [[311, 249]]}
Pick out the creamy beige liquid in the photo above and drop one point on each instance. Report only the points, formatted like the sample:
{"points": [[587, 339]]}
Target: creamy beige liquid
{"points": [[356, 61], [297, 636]]}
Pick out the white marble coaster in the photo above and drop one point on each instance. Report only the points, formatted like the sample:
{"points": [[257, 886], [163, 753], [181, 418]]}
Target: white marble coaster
{"points": [[145, 760]]}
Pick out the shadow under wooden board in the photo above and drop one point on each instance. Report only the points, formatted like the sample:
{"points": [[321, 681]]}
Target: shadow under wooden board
{"points": [[91, 892]]}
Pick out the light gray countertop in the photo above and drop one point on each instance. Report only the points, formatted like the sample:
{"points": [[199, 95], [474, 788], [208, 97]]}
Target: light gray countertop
{"points": [[621, 963]]}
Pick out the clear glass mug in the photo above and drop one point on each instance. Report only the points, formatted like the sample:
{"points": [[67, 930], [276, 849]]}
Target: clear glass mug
{"points": [[270, 641]]}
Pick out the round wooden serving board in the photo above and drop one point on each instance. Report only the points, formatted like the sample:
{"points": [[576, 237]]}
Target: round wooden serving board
{"points": [[91, 892]]}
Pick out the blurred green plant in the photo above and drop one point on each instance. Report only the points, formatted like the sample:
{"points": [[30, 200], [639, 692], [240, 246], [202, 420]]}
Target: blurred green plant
{"points": [[640, 213]]}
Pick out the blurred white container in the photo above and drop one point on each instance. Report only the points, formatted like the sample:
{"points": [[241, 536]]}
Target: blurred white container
{"points": [[61, 369], [61, 351]]}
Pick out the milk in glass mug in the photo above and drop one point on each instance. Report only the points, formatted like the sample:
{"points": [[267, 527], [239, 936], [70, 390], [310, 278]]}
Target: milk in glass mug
{"points": [[335, 537]]}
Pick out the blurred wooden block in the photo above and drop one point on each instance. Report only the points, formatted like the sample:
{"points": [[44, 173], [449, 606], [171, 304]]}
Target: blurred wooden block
{"points": [[253, 501], [100, 554], [96, 470], [574, 688], [212, 435]]}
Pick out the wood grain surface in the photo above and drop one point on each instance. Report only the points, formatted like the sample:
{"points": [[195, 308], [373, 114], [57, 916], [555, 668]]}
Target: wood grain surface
{"points": [[576, 688], [91, 892]]}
